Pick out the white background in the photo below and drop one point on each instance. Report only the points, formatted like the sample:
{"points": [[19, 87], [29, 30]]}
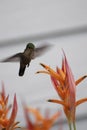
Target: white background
{"points": [[65, 24]]}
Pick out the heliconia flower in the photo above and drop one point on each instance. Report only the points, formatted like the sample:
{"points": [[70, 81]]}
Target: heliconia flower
{"points": [[40, 123], [65, 85], [5, 122]]}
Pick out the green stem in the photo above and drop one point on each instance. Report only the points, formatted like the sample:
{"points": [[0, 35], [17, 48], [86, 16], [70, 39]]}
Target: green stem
{"points": [[74, 125], [70, 126]]}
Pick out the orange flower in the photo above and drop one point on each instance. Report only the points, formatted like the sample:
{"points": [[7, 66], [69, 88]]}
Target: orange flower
{"points": [[5, 122], [65, 86], [41, 123]]}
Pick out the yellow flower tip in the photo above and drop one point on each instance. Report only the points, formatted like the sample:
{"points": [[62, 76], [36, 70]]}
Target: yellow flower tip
{"points": [[49, 100], [42, 65], [85, 76], [37, 72]]}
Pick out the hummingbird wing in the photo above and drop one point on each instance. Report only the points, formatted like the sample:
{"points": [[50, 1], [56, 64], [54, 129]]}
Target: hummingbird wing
{"points": [[14, 58], [41, 50]]}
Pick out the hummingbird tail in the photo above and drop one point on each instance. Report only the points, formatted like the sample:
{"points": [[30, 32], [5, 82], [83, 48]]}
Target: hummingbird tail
{"points": [[22, 70]]}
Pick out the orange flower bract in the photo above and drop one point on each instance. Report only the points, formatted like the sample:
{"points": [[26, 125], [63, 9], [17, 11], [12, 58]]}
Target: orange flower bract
{"points": [[65, 85], [5, 122], [40, 123]]}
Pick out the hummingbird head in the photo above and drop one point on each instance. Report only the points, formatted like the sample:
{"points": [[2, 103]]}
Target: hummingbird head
{"points": [[30, 46]]}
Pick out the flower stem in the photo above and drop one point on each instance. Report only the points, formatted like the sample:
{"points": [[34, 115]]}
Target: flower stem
{"points": [[74, 125], [70, 128]]}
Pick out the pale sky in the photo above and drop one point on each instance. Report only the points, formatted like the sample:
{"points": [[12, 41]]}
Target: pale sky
{"points": [[20, 19]]}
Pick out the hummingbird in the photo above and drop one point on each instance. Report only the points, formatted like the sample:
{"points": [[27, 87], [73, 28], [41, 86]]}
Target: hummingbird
{"points": [[25, 57]]}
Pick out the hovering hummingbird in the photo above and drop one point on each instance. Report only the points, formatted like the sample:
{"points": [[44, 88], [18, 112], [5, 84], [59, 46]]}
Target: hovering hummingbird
{"points": [[25, 57]]}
